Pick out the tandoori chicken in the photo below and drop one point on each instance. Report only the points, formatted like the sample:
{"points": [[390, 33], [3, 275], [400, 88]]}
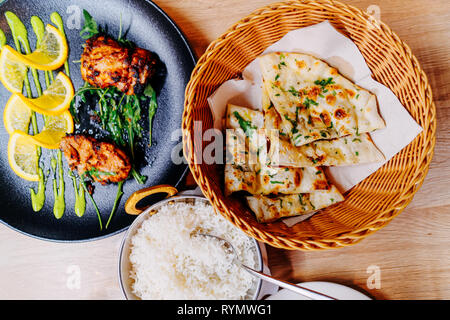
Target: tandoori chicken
{"points": [[107, 63], [104, 162]]}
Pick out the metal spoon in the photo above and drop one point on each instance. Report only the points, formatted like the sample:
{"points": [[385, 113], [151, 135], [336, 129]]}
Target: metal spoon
{"points": [[295, 288]]}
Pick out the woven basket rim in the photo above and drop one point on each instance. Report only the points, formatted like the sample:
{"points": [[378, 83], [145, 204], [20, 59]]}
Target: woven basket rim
{"points": [[346, 238]]}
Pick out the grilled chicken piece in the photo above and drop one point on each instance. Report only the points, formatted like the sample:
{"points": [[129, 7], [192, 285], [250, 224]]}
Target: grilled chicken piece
{"points": [[106, 63], [103, 161]]}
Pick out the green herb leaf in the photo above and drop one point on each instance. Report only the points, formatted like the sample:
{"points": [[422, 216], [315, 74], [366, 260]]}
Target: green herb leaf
{"points": [[276, 182], [300, 198], [244, 124], [324, 82], [116, 202], [90, 27], [293, 91], [308, 102], [153, 105]]}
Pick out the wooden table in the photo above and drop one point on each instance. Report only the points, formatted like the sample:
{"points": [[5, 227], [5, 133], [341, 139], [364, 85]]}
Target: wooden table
{"points": [[410, 257]]}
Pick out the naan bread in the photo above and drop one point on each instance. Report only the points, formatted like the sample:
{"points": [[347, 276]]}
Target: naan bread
{"points": [[355, 149], [348, 150], [270, 209], [246, 142], [243, 118], [276, 191], [314, 101], [246, 167], [268, 180]]}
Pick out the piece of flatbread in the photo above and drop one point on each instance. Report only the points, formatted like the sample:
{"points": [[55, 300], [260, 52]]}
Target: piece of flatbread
{"points": [[269, 209], [349, 150], [246, 167], [268, 180], [243, 118], [314, 101]]}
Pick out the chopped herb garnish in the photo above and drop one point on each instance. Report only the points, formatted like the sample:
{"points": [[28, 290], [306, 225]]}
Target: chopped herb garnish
{"points": [[293, 91], [94, 172], [244, 124], [308, 102], [300, 198], [277, 77], [324, 82], [356, 139], [276, 182], [259, 150], [293, 122], [319, 172], [282, 63], [357, 153]]}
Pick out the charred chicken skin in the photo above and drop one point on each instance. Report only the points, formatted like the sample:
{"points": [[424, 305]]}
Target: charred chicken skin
{"points": [[107, 63], [104, 162]]}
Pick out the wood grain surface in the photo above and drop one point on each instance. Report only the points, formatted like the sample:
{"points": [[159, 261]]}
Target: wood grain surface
{"points": [[408, 259]]}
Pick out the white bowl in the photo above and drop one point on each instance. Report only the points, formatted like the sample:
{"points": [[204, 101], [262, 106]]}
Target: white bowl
{"points": [[124, 262]]}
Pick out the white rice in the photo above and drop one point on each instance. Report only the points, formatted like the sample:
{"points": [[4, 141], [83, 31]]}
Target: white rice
{"points": [[170, 262]]}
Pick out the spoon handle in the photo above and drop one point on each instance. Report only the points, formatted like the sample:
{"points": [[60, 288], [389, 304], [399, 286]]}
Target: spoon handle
{"points": [[297, 289]]}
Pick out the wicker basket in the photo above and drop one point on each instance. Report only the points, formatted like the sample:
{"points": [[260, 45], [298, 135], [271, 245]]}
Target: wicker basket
{"points": [[375, 201]]}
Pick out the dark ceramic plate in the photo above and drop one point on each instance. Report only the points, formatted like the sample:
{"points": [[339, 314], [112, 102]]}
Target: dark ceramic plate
{"points": [[148, 27]]}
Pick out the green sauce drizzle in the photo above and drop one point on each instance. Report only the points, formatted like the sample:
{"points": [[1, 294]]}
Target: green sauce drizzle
{"points": [[2, 39], [38, 198], [58, 193], [39, 30], [20, 36], [57, 20], [80, 199]]}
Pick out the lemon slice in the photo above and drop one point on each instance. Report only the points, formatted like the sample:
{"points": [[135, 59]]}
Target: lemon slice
{"points": [[50, 54], [12, 72], [22, 157], [17, 115], [55, 128], [55, 100]]}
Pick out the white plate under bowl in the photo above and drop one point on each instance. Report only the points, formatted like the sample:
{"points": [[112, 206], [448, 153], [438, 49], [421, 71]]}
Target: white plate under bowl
{"points": [[331, 289]]}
